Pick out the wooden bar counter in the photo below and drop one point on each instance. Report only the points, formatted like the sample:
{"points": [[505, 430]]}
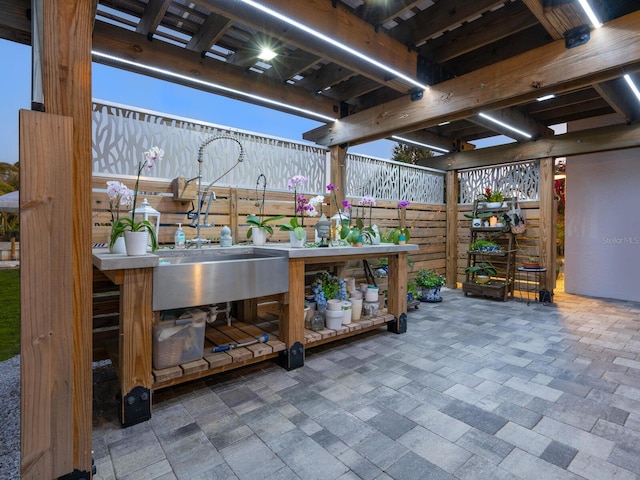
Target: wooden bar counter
{"points": [[132, 356]]}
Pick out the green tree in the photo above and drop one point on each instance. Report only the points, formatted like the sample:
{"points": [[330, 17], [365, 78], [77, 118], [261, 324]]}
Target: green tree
{"points": [[408, 154], [9, 177]]}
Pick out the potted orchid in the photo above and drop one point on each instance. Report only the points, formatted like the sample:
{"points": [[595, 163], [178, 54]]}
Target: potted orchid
{"points": [[371, 233], [399, 235], [119, 194], [257, 223], [343, 217], [125, 226], [300, 206]]}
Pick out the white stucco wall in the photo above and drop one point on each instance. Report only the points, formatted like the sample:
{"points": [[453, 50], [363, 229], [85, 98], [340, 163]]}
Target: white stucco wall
{"points": [[602, 230]]}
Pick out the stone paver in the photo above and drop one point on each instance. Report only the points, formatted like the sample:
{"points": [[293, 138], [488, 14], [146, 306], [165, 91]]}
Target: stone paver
{"points": [[476, 389]]}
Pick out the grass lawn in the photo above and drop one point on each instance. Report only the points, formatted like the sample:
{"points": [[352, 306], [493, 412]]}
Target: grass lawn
{"points": [[9, 313]]}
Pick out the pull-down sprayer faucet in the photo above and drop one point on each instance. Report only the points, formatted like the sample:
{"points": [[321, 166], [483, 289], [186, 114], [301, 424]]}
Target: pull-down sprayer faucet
{"points": [[196, 217]]}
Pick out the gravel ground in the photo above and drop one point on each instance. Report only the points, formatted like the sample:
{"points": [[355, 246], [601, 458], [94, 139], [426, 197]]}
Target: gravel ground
{"points": [[10, 419]]}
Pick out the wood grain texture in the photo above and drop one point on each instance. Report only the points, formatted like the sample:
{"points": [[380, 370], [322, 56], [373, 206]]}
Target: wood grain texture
{"points": [[550, 69], [453, 190], [47, 299]]}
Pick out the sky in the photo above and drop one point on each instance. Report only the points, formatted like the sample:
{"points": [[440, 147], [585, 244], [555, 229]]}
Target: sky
{"points": [[119, 86]]}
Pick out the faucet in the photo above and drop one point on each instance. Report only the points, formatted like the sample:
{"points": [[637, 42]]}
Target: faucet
{"points": [[206, 194]]}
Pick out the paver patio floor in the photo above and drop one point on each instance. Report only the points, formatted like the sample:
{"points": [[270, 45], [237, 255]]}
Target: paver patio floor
{"points": [[476, 389]]}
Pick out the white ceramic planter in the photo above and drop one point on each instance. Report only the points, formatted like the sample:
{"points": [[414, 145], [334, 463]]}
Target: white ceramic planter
{"points": [[258, 235], [333, 319], [356, 308], [334, 304], [136, 243]]}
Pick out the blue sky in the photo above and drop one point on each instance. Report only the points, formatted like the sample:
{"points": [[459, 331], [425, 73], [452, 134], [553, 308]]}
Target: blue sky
{"points": [[127, 88]]}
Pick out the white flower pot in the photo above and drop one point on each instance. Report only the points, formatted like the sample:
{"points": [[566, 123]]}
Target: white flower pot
{"points": [[119, 247], [371, 295], [136, 243], [334, 304], [333, 319], [296, 242], [356, 308], [258, 235]]}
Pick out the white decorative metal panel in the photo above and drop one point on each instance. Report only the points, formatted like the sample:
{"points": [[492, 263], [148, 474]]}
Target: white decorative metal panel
{"points": [[389, 180], [121, 135], [521, 180]]}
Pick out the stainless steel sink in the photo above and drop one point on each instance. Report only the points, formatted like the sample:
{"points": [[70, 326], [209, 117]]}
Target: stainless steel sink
{"points": [[205, 278]]}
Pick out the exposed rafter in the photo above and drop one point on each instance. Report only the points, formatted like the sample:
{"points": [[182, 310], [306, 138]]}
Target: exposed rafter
{"points": [[551, 69], [616, 137]]}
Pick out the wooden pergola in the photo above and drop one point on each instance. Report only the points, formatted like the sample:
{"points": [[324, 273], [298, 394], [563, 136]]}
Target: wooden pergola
{"points": [[448, 62]]}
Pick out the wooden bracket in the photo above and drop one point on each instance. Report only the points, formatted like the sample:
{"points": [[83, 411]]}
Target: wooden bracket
{"points": [[184, 191]]}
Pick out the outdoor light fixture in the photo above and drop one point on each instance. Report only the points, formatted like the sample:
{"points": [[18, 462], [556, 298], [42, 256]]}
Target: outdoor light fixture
{"points": [[335, 43], [632, 85], [419, 144], [505, 125], [546, 97], [266, 54], [170, 74], [590, 13]]}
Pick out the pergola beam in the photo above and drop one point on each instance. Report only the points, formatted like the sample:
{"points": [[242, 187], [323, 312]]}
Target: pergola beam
{"points": [[335, 22], [135, 47], [548, 69], [602, 139]]}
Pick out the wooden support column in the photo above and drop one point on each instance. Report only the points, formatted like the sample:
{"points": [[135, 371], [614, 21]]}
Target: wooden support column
{"points": [[547, 240], [55, 198], [397, 290], [46, 305], [292, 319], [451, 266], [134, 345], [338, 173]]}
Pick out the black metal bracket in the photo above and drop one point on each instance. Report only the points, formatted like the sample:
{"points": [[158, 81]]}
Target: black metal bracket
{"points": [[416, 93], [78, 475], [136, 406], [577, 36], [293, 357], [398, 325]]}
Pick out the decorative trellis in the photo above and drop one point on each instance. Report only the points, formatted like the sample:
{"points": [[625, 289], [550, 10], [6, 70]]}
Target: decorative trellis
{"points": [[121, 135], [388, 180], [521, 180]]}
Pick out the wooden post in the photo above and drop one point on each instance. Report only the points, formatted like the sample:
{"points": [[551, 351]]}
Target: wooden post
{"points": [[451, 268], [547, 241], [56, 271], [46, 305], [337, 174]]}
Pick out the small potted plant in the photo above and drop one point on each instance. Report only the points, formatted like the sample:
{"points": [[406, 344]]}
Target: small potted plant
{"points": [[482, 245], [412, 290], [482, 272], [260, 227], [429, 282], [532, 262], [492, 198]]}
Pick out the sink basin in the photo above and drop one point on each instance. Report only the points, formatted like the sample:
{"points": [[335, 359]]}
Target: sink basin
{"points": [[212, 277]]}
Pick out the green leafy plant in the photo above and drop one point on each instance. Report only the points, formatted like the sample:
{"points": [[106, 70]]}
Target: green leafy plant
{"points": [[491, 196], [255, 221], [412, 288], [293, 226], [481, 244], [483, 268], [429, 279], [126, 223]]}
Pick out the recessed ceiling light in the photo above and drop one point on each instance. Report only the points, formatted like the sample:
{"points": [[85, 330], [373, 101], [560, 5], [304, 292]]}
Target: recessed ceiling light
{"points": [[335, 43], [267, 54]]}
